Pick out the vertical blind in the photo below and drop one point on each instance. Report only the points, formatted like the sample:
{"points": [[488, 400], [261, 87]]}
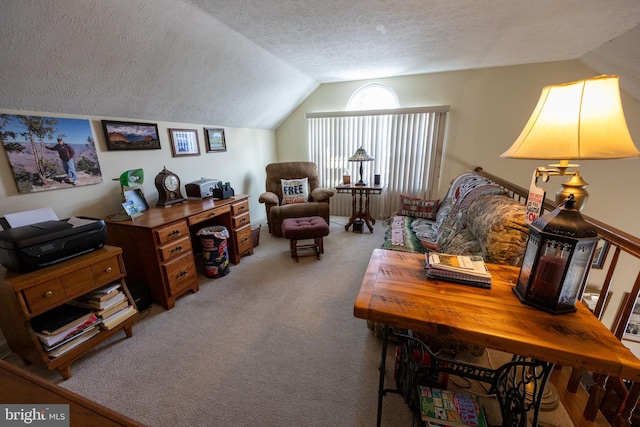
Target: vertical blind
{"points": [[405, 143]]}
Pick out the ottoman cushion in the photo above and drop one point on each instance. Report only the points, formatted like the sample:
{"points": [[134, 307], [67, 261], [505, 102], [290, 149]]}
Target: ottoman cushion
{"points": [[304, 228]]}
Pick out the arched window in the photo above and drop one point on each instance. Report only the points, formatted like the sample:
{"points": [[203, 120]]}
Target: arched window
{"points": [[373, 96]]}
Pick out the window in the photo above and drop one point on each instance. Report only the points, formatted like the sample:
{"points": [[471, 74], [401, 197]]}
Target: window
{"points": [[373, 96], [405, 143]]}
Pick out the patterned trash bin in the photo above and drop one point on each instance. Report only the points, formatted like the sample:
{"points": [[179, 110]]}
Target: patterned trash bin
{"points": [[214, 250]]}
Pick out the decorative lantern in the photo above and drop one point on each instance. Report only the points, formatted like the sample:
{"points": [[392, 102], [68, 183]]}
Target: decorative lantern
{"points": [[557, 260]]}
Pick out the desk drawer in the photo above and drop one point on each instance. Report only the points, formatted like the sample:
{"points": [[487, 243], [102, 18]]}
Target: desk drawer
{"points": [[180, 272], [174, 248], [244, 241], [105, 272], [241, 220], [195, 219], [240, 208], [44, 295], [171, 232]]}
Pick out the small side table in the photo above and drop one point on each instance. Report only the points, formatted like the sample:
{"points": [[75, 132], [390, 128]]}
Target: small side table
{"points": [[360, 203]]}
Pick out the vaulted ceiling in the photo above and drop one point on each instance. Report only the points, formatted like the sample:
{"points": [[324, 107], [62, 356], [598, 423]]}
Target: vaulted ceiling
{"points": [[249, 63]]}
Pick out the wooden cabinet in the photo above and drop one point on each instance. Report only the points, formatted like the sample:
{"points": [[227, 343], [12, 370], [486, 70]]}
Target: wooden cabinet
{"points": [[25, 296], [160, 246]]}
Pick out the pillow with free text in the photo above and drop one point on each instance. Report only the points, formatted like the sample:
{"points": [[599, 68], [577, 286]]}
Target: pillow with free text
{"points": [[295, 190], [418, 208]]}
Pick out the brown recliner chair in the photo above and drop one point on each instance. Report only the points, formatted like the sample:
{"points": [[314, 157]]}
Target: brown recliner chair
{"points": [[317, 205]]}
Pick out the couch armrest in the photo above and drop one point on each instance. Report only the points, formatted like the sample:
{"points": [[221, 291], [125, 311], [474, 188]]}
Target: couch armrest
{"points": [[321, 195], [269, 198]]}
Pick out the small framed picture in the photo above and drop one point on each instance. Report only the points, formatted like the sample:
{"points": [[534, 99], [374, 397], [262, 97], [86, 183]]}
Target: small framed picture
{"points": [[600, 254], [184, 142], [131, 135], [632, 332], [215, 140]]}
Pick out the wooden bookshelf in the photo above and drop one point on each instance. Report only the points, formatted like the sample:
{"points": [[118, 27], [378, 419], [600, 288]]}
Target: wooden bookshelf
{"points": [[25, 296]]}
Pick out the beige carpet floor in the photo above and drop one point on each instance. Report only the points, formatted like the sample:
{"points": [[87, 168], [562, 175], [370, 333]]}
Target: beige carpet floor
{"points": [[273, 343]]}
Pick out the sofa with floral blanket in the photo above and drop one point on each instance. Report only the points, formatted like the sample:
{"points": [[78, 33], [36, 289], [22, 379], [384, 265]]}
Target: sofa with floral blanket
{"points": [[476, 217]]}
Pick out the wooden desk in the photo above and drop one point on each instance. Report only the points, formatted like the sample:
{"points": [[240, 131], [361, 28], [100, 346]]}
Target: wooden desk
{"points": [[360, 202], [23, 387], [158, 247], [396, 292]]}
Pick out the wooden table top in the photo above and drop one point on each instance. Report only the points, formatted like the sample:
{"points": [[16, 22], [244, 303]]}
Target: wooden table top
{"points": [[396, 291], [158, 216]]}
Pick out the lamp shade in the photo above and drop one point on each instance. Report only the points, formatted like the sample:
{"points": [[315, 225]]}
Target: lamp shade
{"points": [[132, 177], [577, 120], [361, 156]]}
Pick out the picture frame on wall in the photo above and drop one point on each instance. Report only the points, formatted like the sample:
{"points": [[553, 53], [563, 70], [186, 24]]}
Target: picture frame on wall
{"points": [[215, 140], [49, 152], [130, 135], [632, 331], [184, 142], [600, 254]]}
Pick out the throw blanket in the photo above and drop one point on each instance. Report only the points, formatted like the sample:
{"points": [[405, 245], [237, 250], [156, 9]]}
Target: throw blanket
{"points": [[399, 236]]}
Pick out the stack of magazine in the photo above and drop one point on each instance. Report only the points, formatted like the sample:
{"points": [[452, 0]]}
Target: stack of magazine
{"points": [[466, 269], [444, 408]]}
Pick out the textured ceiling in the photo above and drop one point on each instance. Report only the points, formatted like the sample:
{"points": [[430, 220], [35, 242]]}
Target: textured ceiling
{"points": [[249, 63]]}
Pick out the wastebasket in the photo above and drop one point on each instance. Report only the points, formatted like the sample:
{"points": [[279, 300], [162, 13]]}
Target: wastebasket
{"points": [[214, 250]]}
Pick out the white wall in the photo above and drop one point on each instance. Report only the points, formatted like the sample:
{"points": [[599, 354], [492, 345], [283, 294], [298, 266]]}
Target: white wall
{"points": [[489, 108], [243, 165]]}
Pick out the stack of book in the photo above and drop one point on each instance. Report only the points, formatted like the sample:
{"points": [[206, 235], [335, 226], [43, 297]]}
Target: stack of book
{"points": [[109, 303], [439, 408], [469, 270], [65, 327]]}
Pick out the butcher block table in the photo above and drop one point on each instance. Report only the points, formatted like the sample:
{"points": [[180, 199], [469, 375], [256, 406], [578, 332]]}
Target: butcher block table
{"points": [[396, 293]]}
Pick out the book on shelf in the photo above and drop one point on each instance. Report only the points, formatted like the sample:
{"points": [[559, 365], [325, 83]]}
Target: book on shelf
{"points": [[75, 328], [92, 332], [117, 318], [60, 319], [113, 309], [71, 337], [103, 293], [465, 269], [448, 408], [87, 302]]}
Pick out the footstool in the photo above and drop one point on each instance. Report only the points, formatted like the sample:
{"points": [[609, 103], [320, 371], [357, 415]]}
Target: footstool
{"points": [[305, 228]]}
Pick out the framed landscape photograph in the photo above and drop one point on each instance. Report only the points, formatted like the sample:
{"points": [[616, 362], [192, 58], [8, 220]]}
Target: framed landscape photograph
{"points": [[184, 142], [215, 140], [131, 135], [49, 153]]}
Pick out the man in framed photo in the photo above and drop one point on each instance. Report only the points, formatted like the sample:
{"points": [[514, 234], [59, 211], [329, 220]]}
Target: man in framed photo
{"points": [[66, 154]]}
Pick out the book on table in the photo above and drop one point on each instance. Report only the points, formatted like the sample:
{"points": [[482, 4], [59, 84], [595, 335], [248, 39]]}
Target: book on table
{"points": [[448, 408], [466, 269]]}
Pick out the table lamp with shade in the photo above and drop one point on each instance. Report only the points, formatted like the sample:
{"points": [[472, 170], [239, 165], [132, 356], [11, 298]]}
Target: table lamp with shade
{"points": [[361, 156], [572, 121]]}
